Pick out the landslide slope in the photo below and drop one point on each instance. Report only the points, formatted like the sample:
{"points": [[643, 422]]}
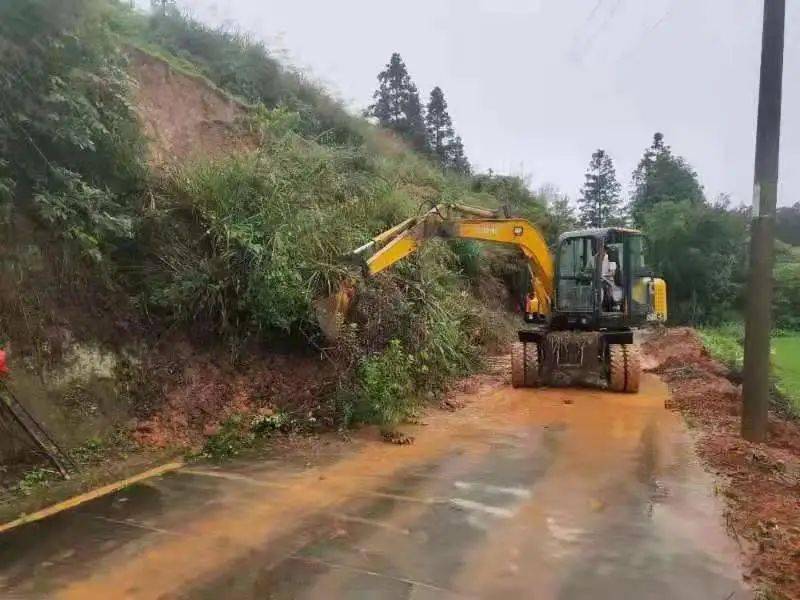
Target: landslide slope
{"points": [[174, 202]]}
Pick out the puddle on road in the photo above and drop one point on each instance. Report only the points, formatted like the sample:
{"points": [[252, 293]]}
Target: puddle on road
{"points": [[519, 492]]}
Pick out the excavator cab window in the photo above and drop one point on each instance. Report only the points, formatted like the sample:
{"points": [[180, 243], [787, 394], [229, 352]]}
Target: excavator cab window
{"points": [[577, 264], [640, 276]]}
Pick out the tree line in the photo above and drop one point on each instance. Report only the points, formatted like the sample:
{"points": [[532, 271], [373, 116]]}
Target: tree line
{"points": [[699, 246], [660, 176], [427, 129]]}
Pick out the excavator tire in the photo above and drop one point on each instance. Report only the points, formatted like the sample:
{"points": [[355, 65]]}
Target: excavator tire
{"points": [[634, 366], [624, 369], [531, 364], [518, 364]]}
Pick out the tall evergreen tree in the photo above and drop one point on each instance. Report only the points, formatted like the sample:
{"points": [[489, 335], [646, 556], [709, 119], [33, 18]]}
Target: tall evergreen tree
{"points": [[456, 159], [443, 143], [662, 177], [439, 126], [397, 105], [599, 201]]}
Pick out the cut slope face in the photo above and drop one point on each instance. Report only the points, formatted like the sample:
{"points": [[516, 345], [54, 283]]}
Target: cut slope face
{"points": [[183, 117]]}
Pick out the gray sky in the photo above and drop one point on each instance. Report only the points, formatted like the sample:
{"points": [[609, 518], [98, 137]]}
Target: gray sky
{"points": [[535, 86]]}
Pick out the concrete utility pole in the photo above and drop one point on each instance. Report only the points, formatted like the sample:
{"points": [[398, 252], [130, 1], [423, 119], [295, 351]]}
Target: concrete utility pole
{"points": [[762, 229]]}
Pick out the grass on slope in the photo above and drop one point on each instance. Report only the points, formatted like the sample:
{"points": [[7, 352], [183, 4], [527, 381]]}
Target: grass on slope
{"points": [[786, 360], [726, 344]]}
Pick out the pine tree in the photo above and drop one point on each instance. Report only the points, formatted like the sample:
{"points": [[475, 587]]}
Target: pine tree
{"points": [[442, 141], [456, 159], [599, 201], [415, 120], [662, 177], [439, 127], [397, 105]]}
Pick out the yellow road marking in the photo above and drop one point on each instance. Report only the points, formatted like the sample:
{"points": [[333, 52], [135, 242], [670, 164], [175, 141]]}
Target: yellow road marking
{"points": [[90, 495]]}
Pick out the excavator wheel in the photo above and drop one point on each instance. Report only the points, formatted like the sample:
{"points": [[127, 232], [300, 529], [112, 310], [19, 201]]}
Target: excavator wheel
{"points": [[624, 369], [518, 364], [524, 364], [531, 364]]}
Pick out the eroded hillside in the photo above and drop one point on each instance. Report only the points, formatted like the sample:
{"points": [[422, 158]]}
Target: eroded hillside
{"points": [[184, 117]]}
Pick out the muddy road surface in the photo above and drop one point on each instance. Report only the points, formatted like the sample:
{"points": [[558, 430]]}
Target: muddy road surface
{"points": [[520, 494]]}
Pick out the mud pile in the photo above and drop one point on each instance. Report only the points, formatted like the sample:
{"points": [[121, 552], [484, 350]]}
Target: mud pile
{"points": [[200, 392], [760, 482]]}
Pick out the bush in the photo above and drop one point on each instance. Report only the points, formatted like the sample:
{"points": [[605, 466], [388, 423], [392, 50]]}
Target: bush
{"points": [[72, 135], [231, 440], [385, 385], [701, 252]]}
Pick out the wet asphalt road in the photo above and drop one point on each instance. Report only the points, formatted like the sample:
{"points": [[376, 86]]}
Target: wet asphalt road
{"points": [[522, 494]]}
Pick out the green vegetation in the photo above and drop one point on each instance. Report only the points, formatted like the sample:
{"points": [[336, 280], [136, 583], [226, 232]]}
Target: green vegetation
{"points": [[700, 250], [786, 302], [786, 360], [231, 440], [430, 130], [725, 343], [238, 433], [787, 224], [238, 65], [662, 177], [397, 105], [68, 134], [35, 479]]}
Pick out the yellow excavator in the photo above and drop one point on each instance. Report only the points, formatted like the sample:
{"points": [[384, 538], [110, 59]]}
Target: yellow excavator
{"points": [[582, 305]]}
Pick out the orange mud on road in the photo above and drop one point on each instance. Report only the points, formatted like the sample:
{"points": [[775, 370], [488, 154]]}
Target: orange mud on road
{"points": [[520, 494]]}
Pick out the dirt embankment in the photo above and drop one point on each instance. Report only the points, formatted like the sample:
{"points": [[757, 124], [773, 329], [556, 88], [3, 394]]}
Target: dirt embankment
{"points": [[761, 482], [199, 392], [182, 116]]}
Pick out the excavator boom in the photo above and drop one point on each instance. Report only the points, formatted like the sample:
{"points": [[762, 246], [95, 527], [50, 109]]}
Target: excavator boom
{"points": [[456, 221]]}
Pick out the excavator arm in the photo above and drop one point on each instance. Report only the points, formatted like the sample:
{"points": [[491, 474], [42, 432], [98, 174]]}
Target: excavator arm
{"points": [[455, 221]]}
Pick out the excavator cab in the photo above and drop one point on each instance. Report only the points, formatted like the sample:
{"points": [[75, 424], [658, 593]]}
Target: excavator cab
{"points": [[602, 281]]}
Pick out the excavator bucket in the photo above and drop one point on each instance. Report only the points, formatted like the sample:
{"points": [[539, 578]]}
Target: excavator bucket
{"points": [[332, 311]]}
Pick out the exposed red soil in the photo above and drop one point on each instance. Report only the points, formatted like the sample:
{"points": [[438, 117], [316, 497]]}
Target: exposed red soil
{"points": [[202, 392], [760, 482], [182, 116]]}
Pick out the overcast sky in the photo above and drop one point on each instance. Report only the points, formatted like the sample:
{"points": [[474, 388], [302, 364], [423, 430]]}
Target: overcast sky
{"points": [[535, 86]]}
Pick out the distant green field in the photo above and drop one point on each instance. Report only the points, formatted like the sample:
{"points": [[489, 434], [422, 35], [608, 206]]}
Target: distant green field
{"points": [[786, 359]]}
